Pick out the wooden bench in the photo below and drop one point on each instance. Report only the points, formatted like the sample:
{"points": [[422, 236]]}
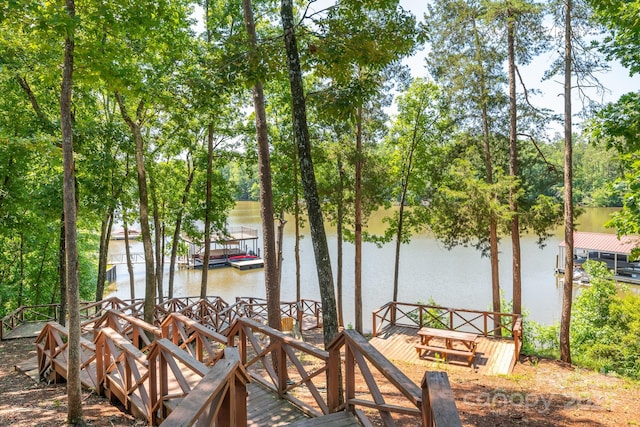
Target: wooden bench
{"points": [[444, 352], [467, 340]]}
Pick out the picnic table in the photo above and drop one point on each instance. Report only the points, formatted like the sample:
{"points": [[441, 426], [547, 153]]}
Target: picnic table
{"points": [[467, 343]]}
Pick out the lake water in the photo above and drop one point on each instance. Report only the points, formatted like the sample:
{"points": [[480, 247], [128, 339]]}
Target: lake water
{"points": [[459, 278]]}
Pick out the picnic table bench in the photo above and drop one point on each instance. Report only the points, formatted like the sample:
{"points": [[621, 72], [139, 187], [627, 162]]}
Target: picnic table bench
{"points": [[467, 341]]}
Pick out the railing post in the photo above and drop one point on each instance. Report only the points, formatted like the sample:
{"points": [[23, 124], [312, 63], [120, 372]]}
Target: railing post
{"points": [[349, 375], [427, 411], [100, 368], [393, 313], [154, 396], [333, 378], [281, 364], [485, 315]]}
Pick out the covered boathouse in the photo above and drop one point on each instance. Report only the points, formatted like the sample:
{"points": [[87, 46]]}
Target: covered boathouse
{"points": [[607, 248]]}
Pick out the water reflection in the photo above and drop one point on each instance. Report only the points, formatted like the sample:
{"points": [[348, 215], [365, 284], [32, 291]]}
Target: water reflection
{"points": [[458, 278]]}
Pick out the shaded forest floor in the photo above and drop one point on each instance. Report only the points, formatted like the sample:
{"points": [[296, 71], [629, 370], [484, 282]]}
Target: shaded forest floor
{"points": [[538, 393]]}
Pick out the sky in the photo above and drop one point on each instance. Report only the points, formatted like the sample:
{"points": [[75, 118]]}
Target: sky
{"points": [[616, 81]]}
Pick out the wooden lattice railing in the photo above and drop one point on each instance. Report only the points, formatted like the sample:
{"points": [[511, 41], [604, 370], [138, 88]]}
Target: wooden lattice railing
{"points": [[256, 308], [52, 355], [122, 372], [219, 398], [366, 370], [134, 363], [198, 341], [282, 364], [27, 314], [137, 331], [485, 323]]}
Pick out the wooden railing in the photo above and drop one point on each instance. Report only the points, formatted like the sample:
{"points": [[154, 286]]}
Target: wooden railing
{"points": [[53, 355], [198, 341], [283, 364], [128, 366], [257, 308], [28, 314], [164, 370], [122, 372], [219, 398], [439, 405], [91, 311], [419, 315], [194, 307], [137, 331], [359, 353]]}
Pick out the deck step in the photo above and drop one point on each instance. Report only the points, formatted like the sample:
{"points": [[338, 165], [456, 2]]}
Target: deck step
{"points": [[339, 419]]}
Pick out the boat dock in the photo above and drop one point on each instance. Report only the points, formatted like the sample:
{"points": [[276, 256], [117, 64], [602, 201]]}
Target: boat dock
{"points": [[247, 264], [607, 248]]}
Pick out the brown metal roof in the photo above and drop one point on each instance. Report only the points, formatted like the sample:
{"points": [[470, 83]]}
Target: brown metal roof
{"points": [[604, 242]]}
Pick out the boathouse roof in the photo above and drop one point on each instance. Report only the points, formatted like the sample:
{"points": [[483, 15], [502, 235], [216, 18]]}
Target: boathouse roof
{"points": [[604, 242]]}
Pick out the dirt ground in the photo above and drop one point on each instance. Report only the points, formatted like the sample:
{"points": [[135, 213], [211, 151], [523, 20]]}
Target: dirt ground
{"points": [[24, 402], [540, 392]]}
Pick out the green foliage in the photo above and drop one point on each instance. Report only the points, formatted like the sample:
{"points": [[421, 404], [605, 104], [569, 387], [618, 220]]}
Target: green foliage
{"points": [[431, 317], [540, 339], [623, 40], [605, 331]]}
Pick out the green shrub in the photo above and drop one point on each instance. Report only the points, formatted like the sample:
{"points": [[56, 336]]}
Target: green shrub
{"points": [[605, 326]]}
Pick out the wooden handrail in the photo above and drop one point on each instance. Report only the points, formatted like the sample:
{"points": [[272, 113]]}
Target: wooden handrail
{"points": [[122, 371], [289, 364], [439, 406], [358, 351], [27, 314], [52, 354], [220, 398], [419, 315], [134, 369], [136, 330], [194, 338]]}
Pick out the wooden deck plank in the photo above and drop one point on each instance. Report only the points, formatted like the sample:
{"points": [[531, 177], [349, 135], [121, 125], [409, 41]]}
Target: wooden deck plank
{"points": [[493, 356], [339, 419], [264, 408], [26, 330]]}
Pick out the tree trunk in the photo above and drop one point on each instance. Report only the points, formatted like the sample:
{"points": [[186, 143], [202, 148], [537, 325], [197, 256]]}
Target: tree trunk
{"points": [[307, 175], [296, 215], [74, 386], [145, 230], [21, 288], [358, 222], [176, 232], [127, 252], [159, 245], [567, 290], [272, 286], [281, 224], [339, 239], [62, 271], [493, 222], [207, 215], [513, 168], [403, 198], [105, 236]]}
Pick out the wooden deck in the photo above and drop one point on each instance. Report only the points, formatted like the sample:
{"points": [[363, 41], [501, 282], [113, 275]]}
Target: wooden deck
{"points": [[493, 356], [26, 330], [265, 409], [263, 406]]}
